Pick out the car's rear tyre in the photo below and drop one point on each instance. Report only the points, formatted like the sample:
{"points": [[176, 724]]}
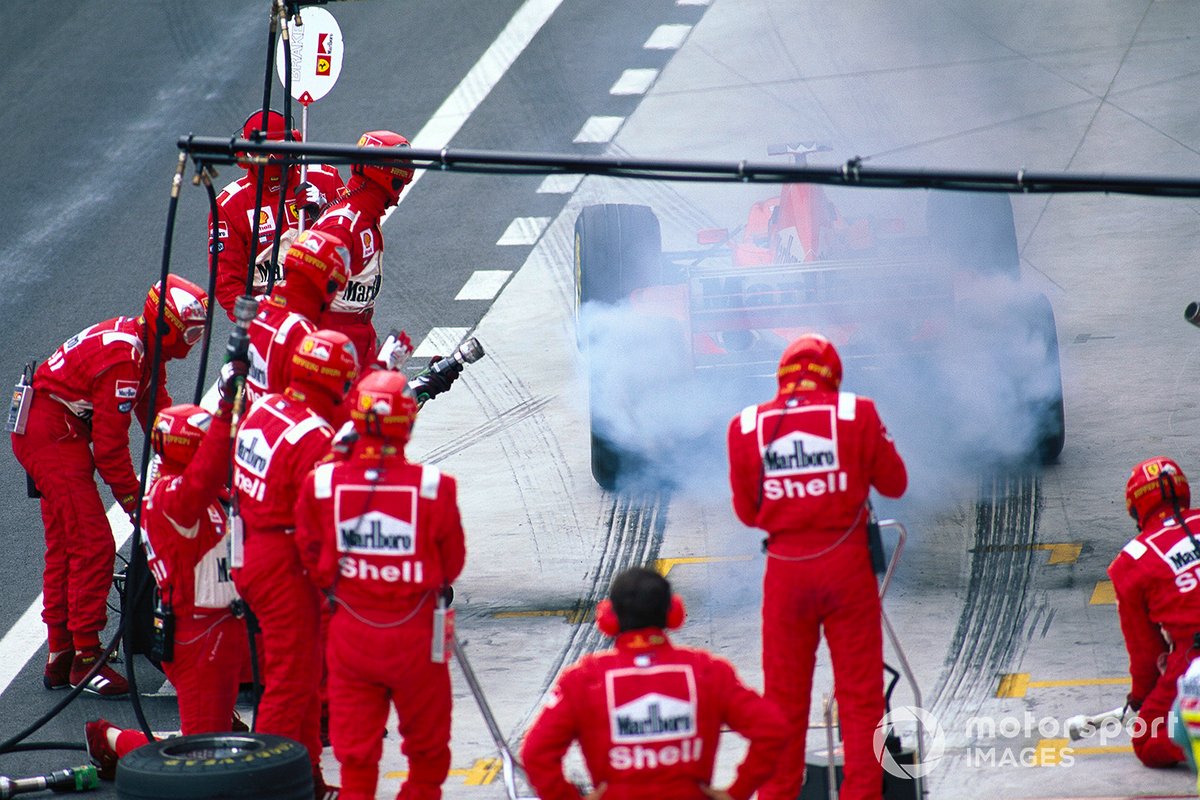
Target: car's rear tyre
{"points": [[1051, 412], [974, 232], [618, 249], [216, 766]]}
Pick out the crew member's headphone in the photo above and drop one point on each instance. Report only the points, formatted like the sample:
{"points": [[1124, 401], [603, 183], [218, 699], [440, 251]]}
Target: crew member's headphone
{"points": [[609, 625]]}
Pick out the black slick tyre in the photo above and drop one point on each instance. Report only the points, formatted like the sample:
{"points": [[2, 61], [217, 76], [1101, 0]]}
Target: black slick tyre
{"points": [[217, 766], [618, 249]]}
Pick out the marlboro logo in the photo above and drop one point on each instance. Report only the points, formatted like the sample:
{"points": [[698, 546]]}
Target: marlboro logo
{"points": [[802, 440], [651, 704]]}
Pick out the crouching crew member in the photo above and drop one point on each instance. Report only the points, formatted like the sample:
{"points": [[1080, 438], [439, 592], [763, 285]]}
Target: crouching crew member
{"points": [[1156, 577], [183, 527], [382, 535], [648, 714]]}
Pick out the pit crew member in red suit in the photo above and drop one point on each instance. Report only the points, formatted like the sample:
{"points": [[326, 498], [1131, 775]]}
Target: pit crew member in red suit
{"points": [[316, 266], [1156, 577], [78, 426], [356, 217], [801, 467], [279, 441], [235, 213], [382, 535], [183, 528], [647, 714]]}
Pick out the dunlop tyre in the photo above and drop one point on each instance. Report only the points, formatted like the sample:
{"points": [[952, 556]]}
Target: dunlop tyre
{"points": [[217, 766]]}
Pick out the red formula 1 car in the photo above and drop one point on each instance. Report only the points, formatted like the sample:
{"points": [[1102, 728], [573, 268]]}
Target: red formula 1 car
{"points": [[944, 309]]}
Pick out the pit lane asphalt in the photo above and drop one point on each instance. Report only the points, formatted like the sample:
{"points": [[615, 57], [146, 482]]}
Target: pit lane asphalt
{"points": [[1088, 87], [94, 101]]}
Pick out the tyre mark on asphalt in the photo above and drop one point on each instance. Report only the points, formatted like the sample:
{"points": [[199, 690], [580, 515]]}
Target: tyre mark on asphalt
{"points": [[635, 523], [989, 636], [491, 427]]}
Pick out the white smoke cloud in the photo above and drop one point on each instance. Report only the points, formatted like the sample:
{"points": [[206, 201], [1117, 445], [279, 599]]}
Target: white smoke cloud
{"points": [[962, 386]]}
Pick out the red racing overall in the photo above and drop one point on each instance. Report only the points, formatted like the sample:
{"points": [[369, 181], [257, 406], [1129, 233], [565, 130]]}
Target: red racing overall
{"points": [[383, 535], [648, 717], [79, 426], [279, 441], [235, 227], [187, 551], [274, 334], [355, 217], [1156, 577], [801, 468]]}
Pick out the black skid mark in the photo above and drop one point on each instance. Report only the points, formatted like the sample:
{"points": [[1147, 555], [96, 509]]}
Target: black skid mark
{"points": [[505, 419], [989, 637], [635, 522]]}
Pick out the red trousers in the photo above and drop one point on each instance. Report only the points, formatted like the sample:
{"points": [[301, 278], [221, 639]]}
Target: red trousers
{"points": [[839, 593], [55, 450], [210, 654], [371, 669], [362, 334], [1151, 737], [287, 607]]}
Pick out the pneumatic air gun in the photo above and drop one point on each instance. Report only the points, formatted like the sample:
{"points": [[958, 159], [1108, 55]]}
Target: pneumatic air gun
{"points": [[438, 377]]}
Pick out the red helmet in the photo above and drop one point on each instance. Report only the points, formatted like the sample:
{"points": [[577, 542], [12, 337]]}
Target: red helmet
{"points": [[177, 433], [383, 407], [392, 177], [275, 130], [318, 262], [1156, 483], [326, 360], [184, 316], [809, 362]]}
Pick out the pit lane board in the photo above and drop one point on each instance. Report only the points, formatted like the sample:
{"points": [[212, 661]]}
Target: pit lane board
{"points": [[315, 42]]}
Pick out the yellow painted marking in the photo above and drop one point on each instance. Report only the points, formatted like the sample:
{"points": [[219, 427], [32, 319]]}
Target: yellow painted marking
{"points": [[1104, 594], [1062, 552], [1050, 752], [664, 565], [481, 773], [1016, 684], [519, 614], [1013, 684]]}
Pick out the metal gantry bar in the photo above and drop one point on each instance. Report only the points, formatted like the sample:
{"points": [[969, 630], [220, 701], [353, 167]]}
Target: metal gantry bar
{"points": [[855, 172]]}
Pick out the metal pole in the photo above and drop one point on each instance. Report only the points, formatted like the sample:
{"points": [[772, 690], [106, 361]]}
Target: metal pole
{"points": [[509, 764]]}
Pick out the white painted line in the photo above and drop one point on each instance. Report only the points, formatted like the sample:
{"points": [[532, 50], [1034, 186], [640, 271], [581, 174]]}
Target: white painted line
{"points": [[480, 81], [692, 2], [634, 81], [667, 37], [524, 230], [599, 130], [24, 639], [484, 284], [440, 341], [27, 636], [560, 184]]}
